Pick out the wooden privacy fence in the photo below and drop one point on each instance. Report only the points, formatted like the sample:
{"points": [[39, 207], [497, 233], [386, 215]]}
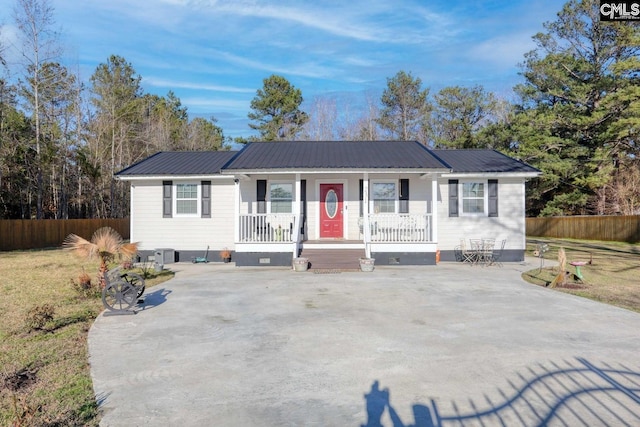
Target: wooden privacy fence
{"points": [[612, 228], [18, 234]]}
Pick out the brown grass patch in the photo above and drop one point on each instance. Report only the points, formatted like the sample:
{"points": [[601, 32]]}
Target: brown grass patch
{"points": [[44, 370]]}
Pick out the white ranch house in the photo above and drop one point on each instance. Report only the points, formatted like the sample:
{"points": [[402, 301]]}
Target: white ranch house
{"points": [[399, 202]]}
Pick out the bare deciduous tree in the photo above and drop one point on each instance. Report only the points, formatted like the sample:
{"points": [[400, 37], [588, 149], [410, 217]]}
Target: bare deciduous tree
{"points": [[323, 116], [39, 45], [364, 126]]}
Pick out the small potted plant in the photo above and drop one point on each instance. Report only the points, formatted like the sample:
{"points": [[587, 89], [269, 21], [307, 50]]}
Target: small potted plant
{"points": [[225, 255], [127, 264]]}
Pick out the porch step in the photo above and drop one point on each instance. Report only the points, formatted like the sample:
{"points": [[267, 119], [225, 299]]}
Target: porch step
{"points": [[333, 259]]}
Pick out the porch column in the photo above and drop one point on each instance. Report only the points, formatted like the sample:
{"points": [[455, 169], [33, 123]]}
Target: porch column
{"points": [[298, 196], [296, 216], [434, 208], [365, 214], [236, 218]]}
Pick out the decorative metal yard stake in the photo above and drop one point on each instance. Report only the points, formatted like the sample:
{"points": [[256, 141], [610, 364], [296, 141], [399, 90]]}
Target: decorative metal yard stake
{"points": [[541, 248]]}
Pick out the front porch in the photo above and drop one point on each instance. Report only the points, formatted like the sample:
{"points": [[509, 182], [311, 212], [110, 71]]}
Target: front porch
{"points": [[275, 239], [389, 214]]}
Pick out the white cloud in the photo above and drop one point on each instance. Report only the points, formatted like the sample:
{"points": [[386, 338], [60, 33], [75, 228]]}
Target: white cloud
{"points": [[217, 49], [160, 82], [212, 104], [367, 21], [308, 16], [175, 2], [308, 69], [359, 61], [503, 51], [9, 42]]}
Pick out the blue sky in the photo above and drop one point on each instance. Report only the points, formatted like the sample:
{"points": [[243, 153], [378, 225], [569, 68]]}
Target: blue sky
{"points": [[214, 54]]}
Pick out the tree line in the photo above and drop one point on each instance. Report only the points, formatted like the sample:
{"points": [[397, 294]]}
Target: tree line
{"points": [[575, 116], [61, 140]]}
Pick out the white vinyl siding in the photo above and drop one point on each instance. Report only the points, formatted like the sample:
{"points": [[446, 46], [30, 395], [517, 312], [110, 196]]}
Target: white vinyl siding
{"points": [[509, 225], [181, 232]]}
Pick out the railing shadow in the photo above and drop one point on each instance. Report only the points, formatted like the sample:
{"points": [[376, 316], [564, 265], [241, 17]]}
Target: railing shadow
{"points": [[577, 393]]}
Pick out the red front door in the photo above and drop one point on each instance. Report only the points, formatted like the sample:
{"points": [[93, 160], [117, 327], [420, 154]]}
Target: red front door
{"points": [[331, 221]]}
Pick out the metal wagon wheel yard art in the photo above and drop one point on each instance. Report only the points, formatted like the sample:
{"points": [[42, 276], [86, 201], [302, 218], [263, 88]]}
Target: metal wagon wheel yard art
{"points": [[121, 292]]}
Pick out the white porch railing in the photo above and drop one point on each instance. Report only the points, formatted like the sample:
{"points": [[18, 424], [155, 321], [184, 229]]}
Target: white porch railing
{"points": [[267, 228], [399, 228]]}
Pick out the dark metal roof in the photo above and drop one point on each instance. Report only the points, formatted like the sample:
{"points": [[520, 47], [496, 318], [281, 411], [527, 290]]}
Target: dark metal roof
{"points": [[180, 163], [330, 155], [334, 155], [476, 161]]}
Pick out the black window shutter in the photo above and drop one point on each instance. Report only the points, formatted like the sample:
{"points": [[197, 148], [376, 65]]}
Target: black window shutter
{"points": [[166, 199], [493, 197], [261, 196], [206, 199], [453, 197], [404, 196], [361, 197], [303, 197]]}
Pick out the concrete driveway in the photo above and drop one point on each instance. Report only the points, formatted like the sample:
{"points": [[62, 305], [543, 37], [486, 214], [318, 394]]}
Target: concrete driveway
{"points": [[402, 346]]}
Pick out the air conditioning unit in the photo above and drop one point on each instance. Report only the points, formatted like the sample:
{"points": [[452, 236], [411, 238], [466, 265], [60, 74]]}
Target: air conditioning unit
{"points": [[164, 256]]}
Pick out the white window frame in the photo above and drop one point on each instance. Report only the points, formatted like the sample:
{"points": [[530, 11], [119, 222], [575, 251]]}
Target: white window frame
{"points": [[198, 200], [293, 194], [396, 204], [485, 204]]}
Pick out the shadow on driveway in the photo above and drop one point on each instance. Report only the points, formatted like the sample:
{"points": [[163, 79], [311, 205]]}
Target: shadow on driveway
{"points": [[572, 393]]}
